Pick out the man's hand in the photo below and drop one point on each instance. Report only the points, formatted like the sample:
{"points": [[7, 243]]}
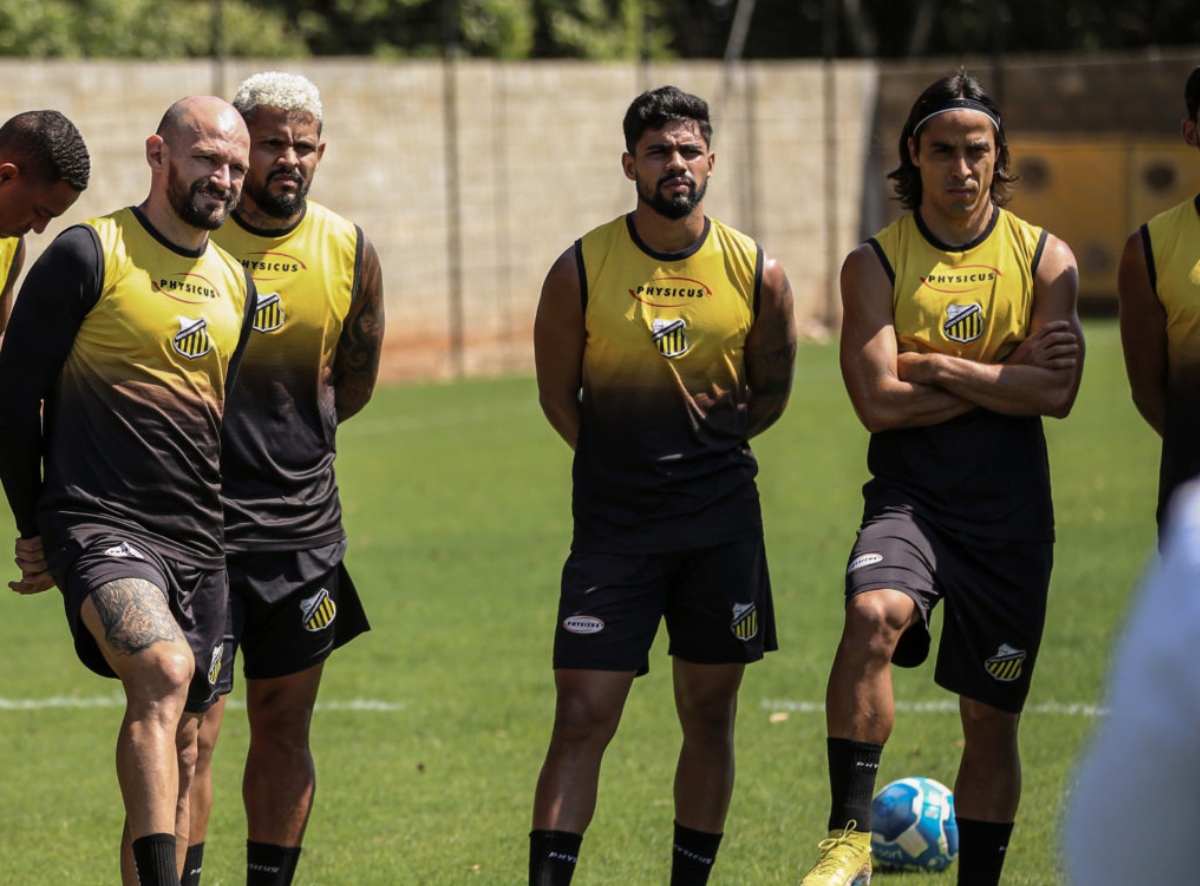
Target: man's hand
{"points": [[35, 572], [1054, 346]]}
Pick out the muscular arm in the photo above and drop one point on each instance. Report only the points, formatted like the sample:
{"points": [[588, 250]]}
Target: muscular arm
{"points": [[7, 294], [770, 350], [558, 339], [1041, 377], [1143, 334], [869, 355], [356, 365]]}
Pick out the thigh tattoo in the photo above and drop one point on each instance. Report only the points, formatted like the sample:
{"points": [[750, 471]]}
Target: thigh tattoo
{"points": [[135, 615]]}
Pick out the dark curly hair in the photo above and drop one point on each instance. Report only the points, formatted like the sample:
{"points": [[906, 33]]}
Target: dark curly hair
{"points": [[658, 107], [47, 146], [938, 97]]}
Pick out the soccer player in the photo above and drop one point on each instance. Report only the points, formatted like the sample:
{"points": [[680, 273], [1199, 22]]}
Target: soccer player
{"points": [[129, 329], [44, 167], [664, 340], [960, 331], [1159, 286], [311, 363]]}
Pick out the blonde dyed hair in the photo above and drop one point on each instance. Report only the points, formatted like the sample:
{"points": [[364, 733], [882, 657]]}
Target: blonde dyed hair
{"points": [[280, 90]]}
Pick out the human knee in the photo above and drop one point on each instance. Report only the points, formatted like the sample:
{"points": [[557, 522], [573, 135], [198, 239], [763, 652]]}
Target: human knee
{"points": [[580, 718], [989, 730], [875, 620], [163, 672]]}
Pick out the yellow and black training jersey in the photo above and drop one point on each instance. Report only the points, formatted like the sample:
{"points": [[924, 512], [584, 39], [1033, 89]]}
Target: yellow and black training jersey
{"points": [[132, 342], [662, 461], [280, 491], [1171, 243], [981, 472], [10, 248]]}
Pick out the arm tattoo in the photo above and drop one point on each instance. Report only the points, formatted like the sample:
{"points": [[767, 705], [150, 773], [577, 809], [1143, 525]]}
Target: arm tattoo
{"points": [[135, 615], [356, 365]]}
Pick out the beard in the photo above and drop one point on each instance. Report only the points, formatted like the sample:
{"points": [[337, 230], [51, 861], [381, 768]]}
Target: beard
{"points": [[184, 200], [676, 206], [283, 205]]}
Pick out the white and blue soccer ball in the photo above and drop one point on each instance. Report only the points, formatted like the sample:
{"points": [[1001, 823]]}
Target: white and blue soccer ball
{"points": [[913, 825]]}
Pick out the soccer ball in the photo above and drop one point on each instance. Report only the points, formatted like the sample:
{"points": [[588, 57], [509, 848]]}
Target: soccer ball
{"points": [[913, 825]]}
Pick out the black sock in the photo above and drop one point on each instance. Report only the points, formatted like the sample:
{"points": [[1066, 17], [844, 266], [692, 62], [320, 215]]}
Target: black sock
{"points": [[552, 857], [693, 856], [192, 865], [154, 858], [852, 769], [270, 865], [982, 847]]}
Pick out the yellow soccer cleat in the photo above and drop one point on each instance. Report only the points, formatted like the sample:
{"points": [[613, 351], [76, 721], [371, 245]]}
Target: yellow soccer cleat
{"points": [[845, 860]]}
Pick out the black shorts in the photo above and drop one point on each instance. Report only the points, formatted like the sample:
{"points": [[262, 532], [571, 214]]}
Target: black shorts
{"points": [[91, 556], [716, 601], [995, 592], [288, 610]]}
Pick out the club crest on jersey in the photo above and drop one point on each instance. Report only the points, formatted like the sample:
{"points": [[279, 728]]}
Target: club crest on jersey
{"points": [[745, 621], [670, 336], [214, 666], [124, 549], [192, 340], [318, 611], [963, 322], [1007, 664], [268, 312]]}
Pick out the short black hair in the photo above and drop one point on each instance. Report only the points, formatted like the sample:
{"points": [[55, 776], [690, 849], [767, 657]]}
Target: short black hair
{"points": [[938, 97], [656, 108], [46, 145], [1191, 94]]}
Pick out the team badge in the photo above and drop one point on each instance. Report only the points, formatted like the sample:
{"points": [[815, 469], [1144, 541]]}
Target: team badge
{"points": [[963, 322], [745, 621], [1007, 664], [318, 611], [268, 312], [670, 336], [124, 549], [214, 666], [583, 624], [192, 340]]}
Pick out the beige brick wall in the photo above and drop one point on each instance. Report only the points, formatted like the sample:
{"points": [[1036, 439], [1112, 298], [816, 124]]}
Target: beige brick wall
{"points": [[538, 160]]}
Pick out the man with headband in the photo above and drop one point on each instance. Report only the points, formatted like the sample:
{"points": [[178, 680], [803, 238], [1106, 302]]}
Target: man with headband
{"points": [[959, 333], [1159, 285]]}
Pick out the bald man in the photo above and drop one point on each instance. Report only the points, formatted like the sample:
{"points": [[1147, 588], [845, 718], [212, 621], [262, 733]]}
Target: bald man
{"points": [[129, 330]]}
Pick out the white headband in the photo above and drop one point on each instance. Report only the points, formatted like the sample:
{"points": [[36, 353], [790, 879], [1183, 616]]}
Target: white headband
{"points": [[959, 104]]}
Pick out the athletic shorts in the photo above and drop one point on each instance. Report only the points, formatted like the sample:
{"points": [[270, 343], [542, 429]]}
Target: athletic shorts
{"points": [[288, 610], [91, 556], [716, 601], [995, 592]]}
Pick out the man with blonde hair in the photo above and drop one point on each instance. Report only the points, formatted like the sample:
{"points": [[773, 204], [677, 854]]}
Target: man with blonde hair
{"points": [[311, 363]]}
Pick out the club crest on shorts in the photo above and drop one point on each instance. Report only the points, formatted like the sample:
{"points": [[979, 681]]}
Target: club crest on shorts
{"points": [[318, 611], [124, 549], [192, 340], [963, 322], [1007, 664], [268, 312], [745, 621], [670, 336], [214, 666], [583, 624]]}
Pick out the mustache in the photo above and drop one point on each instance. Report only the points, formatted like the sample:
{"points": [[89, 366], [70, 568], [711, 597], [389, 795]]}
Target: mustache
{"points": [[214, 191], [671, 179], [289, 174]]}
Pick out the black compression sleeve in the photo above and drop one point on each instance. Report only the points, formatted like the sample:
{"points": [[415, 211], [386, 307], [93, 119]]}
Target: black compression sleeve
{"points": [[61, 287]]}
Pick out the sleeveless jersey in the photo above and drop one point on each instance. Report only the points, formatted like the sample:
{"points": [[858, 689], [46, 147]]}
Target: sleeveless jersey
{"points": [[983, 473], [1171, 241], [662, 461], [280, 492], [132, 427], [9, 247]]}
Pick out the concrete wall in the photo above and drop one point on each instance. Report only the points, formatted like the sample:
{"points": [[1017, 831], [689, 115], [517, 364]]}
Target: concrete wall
{"points": [[537, 165]]}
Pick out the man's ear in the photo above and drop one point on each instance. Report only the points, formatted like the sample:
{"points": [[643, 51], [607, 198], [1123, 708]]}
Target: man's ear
{"points": [[627, 164], [8, 172], [1188, 128]]}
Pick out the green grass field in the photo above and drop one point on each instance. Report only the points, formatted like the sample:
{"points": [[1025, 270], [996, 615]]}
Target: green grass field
{"points": [[433, 726]]}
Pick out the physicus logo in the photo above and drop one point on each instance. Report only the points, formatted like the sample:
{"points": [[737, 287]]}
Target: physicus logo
{"points": [[745, 621], [961, 280], [669, 292], [670, 336], [318, 611], [267, 266], [192, 340], [268, 312], [963, 322], [1007, 664], [864, 560], [583, 624], [124, 549], [191, 289]]}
